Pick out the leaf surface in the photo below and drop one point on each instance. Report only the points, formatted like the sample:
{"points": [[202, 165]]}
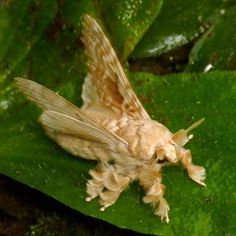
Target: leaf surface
{"points": [[27, 155], [216, 49], [178, 23]]}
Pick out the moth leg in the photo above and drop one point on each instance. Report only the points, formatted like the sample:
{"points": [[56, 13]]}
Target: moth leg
{"points": [[114, 184], [107, 184], [151, 183], [95, 185], [196, 173]]}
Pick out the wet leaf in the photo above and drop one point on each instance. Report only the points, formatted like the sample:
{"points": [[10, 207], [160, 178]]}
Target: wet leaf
{"points": [[216, 49], [178, 23], [128, 20]]}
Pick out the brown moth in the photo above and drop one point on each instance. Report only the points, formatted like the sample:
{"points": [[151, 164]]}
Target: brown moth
{"points": [[113, 128]]}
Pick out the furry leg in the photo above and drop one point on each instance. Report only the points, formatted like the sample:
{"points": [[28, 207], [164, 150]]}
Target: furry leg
{"points": [[196, 173], [107, 184], [95, 185], [151, 182]]}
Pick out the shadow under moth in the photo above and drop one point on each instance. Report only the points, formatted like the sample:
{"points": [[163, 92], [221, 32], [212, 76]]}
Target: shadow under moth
{"points": [[113, 128]]}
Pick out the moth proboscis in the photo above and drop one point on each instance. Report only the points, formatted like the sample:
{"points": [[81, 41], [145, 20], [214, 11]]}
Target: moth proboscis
{"points": [[113, 128]]}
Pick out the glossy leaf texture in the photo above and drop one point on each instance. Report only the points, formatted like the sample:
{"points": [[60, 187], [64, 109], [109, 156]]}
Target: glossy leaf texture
{"points": [[128, 20], [28, 156], [216, 49], [178, 23]]}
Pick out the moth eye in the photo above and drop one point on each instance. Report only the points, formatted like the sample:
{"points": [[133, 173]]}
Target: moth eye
{"points": [[127, 106], [160, 161], [111, 162], [160, 158]]}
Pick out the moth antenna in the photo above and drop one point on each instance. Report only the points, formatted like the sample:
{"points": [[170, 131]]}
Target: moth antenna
{"points": [[195, 125], [181, 137]]}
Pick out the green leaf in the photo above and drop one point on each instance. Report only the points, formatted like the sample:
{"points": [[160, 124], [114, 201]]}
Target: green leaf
{"points": [[23, 24], [216, 49], [128, 20], [55, 52], [27, 155], [178, 23]]}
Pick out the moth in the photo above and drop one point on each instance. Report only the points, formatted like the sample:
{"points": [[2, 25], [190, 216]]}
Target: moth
{"points": [[113, 128]]}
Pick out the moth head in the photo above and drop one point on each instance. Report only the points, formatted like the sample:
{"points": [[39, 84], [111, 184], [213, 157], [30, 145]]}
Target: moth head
{"points": [[167, 153], [182, 136]]}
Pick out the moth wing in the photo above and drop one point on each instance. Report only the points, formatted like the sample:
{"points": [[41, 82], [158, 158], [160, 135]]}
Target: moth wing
{"points": [[69, 126], [47, 99], [80, 138], [107, 75], [91, 101]]}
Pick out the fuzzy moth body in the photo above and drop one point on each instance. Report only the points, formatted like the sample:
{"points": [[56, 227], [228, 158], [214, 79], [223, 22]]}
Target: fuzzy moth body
{"points": [[113, 128]]}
